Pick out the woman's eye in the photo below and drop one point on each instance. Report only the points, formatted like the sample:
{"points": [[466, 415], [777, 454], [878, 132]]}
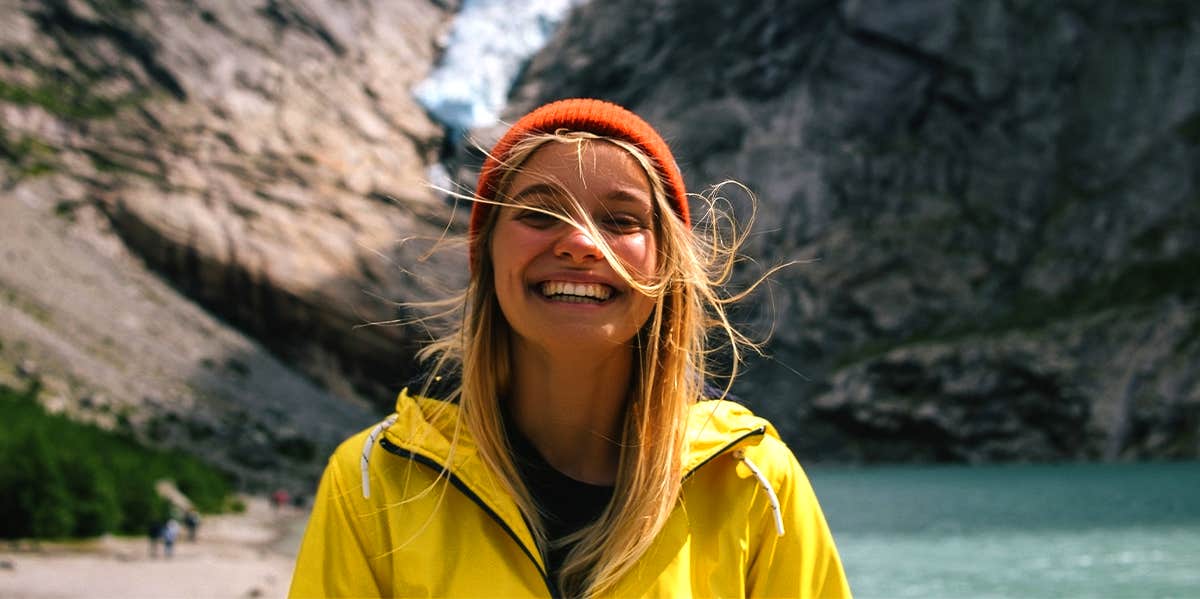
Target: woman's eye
{"points": [[624, 223], [536, 218]]}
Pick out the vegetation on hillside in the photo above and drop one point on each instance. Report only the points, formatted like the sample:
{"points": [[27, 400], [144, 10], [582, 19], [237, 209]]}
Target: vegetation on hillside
{"points": [[60, 478]]}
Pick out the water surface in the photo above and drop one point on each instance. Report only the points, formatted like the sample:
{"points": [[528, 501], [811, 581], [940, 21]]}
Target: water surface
{"points": [[1079, 530]]}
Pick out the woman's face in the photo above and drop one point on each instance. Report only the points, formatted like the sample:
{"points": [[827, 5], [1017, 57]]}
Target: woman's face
{"points": [[554, 286]]}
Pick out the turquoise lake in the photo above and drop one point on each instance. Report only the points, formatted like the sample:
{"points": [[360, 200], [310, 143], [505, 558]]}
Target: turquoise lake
{"points": [[1078, 530]]}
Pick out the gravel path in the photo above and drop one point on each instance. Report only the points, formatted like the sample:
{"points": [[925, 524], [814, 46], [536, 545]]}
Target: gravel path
{"points": [[243, 555]]}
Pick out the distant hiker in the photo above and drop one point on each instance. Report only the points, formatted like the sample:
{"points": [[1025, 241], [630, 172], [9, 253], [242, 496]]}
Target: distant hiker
{"points": [[192, 521], [154, 532], [170, 533], [279, 498]]}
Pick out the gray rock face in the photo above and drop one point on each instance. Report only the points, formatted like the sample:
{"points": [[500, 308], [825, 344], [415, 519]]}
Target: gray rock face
{"points": [[112, 344], [995, 206], [266, 158]]}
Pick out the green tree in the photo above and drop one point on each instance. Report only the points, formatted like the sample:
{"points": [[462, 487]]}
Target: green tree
{"points": [[94, 494], [38, 488]]}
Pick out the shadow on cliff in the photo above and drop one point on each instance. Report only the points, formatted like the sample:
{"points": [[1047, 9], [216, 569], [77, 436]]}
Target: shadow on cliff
{"points": [[314, 374]]}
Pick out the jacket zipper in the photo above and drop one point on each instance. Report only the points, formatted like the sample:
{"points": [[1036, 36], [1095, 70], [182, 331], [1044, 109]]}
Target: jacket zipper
{"points": [[465, 490]]}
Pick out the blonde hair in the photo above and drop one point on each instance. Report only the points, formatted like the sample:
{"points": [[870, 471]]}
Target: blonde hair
{"points": [[671, 362]]}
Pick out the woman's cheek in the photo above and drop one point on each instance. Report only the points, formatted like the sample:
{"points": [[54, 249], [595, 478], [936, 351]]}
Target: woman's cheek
{"points": [[640, 252]]}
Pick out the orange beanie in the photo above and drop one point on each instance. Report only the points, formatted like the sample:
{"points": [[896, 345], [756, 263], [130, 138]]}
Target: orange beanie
{"points": [[579, 114]]}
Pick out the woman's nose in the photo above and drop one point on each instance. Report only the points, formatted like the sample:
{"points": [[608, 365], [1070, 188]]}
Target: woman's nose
{"points": [[577, 244]]}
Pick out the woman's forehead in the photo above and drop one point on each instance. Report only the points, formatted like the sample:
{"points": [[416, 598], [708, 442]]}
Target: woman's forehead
{"points": [[596, 168]]}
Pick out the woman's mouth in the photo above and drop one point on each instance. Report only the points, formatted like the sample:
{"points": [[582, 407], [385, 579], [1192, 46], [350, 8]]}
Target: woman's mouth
{"points": [[575, 293]]}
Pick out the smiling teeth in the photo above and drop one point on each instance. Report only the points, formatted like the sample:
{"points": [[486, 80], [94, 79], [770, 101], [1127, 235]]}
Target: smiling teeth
{"points": [[576, 291]]}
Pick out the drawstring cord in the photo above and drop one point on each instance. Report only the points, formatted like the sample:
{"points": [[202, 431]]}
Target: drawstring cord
{"points": [[762, 480], [366, 452]]}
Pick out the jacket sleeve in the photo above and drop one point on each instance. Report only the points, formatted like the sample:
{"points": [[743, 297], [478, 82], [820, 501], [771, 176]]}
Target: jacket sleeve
{"points": [[333, 561], [803, 562]]}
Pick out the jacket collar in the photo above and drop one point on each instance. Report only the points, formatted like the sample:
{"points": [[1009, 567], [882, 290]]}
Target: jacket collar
{"points": [[718, 426], [433, 429]]}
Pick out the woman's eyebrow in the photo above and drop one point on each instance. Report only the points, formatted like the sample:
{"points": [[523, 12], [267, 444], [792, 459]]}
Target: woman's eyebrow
{"points": [[536, 189], [633, 195], [548, 192]]}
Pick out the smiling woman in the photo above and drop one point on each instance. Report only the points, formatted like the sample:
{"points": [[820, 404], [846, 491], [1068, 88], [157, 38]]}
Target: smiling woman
{"points": [[577, 456]]}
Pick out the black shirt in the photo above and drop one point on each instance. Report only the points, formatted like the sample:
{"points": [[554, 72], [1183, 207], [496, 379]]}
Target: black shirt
{"points": [[567, 504]]}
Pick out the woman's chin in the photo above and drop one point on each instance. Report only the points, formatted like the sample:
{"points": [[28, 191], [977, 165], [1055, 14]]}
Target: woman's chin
{"points": [[567, 338]]}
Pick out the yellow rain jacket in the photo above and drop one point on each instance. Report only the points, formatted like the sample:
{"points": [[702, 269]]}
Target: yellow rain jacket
{"points": [[408, 510]]}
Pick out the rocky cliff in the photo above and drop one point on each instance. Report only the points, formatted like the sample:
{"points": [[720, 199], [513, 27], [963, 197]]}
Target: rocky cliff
{"points": [[264, 158], [995, 205]]}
